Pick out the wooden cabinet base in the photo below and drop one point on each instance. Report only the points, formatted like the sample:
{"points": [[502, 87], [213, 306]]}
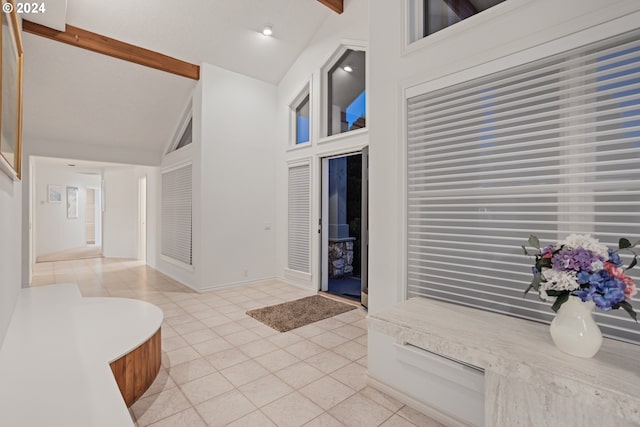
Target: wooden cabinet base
{"points": [[136, 371]]}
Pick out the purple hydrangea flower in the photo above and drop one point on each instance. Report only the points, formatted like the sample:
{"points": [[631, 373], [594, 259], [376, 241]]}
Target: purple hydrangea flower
{"points": [[614, 258]]}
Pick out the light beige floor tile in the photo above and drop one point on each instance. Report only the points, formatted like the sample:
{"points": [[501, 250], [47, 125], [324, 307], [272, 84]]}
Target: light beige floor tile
{"points": [[351, 316], [186, 418], [276, 360], [215, 321], [299, 375], [173, 343], [199, 336], [330, 324], [285, 339], [382, 399], [308, 331], [224, 409], [264, 331], [185, 328], [398, 421], [354, 375], [418, 418], [197, 391], [328, 340], [326, 392], [292, 410], [358, 411], [265, 390], [258, 348], [215, 345], [324, 420], [153, 408], [177, 357], [162, 382], [228, 328], [244, 372], [226, 358], [304, 349], [242, 337], [191, 370], [351, 350], [350, 332], [327, 361], [254, 419]]}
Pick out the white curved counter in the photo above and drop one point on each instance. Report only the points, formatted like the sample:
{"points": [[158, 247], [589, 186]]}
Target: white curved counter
{"points": [[54, 362]]}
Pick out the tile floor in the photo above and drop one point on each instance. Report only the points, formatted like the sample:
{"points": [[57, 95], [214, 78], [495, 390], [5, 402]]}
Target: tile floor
{"points": [[221, 367]]}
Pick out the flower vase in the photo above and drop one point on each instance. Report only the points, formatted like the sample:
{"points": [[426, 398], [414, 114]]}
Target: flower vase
{"points": [[574, 331]]}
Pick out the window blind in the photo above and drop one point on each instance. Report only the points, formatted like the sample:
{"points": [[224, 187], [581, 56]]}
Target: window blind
{"points": [[299, 219], [176, 214], [550, 148]]}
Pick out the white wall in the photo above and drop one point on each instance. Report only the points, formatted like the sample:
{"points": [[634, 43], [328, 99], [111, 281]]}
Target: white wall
{"points": [[513, 26], [233, 181], [349, 28], [56, 232], [10, 248], [237, 178], [119, 221]]}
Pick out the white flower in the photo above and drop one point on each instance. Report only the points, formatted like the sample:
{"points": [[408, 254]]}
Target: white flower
{"points": [[587, 242], [559, 280], [597, 266]]}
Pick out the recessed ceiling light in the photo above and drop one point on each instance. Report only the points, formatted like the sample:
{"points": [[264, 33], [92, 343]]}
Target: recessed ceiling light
{"points": [[348, 68], [70, 164], [267, 30]]}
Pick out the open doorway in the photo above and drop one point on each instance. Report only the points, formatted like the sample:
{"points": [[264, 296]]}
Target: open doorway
{"points": [[342, 226]]}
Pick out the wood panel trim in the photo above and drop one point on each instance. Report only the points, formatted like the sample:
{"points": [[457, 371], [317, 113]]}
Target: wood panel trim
{"points": [[135, 371], [111, 47], [335, 5]]}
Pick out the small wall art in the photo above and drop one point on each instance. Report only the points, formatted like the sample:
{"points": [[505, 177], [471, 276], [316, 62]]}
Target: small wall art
{"points": [[54, 193]]}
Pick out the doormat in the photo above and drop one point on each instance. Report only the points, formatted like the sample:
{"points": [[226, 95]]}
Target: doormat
{"points": [[294, 314]]}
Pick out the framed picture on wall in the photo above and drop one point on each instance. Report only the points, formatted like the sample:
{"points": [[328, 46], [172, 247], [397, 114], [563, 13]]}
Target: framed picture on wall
{"points": [[11, 90], [54, 193], [72, 202]]}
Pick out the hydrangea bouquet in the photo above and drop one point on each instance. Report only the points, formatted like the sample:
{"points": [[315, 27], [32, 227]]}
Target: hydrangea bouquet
{"points": [[582, 266]]}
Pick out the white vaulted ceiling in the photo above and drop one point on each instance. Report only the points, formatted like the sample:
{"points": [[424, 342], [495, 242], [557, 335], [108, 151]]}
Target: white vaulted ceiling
{"points": [[73, 95]]}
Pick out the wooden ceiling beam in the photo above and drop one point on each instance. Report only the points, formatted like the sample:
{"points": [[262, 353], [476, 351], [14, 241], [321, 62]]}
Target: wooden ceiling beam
{"points": [[335, 5], [107, 46]]}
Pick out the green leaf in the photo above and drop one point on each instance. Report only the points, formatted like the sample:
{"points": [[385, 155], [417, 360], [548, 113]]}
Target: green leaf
{"points": [[629, 309], [524, 249], [544, 263], [561, 299], [533, 241], [553, 293], [624, 243], [633, 263]]}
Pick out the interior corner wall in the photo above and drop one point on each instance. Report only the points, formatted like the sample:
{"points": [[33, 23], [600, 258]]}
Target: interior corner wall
{"points": [[350, 27], [56, 232], [512, 26], [234, 181], [10, 249]]}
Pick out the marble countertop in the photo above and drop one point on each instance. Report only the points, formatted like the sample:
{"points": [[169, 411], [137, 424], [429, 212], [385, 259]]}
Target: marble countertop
{"points": [[519, 349], [54, 361]]}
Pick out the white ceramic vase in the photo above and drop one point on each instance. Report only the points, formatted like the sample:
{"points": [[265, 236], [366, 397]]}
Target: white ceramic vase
{"points": [[574, 331]]}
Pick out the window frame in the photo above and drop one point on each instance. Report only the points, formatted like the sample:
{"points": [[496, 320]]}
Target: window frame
{"points": [[324, 71], [293, 116]]}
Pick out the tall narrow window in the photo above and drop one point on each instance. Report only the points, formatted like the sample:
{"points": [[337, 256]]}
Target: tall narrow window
{"points": [[175, 213], [346, 93], [299, 227], [550, 148], [301, 117]]}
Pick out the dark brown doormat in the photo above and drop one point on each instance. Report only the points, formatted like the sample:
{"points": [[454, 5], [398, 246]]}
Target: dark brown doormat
{"points": [[294, 314]]}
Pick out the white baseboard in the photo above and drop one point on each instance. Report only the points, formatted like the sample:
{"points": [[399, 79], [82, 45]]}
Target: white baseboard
{"points": [[293, 282], [429, 411], [264, 280]]}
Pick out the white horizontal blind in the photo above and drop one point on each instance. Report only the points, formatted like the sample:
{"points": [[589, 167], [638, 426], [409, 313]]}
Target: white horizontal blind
{"points": [[176, 214], [550, 148], [299, 219]]}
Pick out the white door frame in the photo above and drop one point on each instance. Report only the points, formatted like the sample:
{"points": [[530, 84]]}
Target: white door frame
{"points": [[142, 218]]}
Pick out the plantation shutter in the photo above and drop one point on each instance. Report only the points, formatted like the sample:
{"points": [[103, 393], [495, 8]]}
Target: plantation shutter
{"points": [[176, 214], [550, 148], [299, 219]]}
